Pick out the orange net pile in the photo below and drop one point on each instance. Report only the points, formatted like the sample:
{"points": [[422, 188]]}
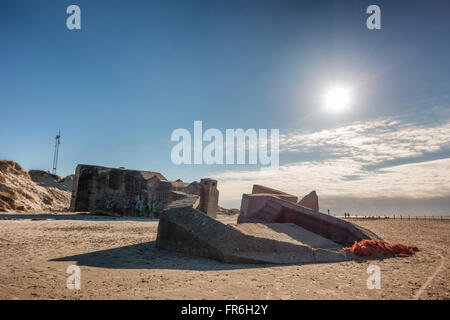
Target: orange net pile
{"points": [[377, 249]]}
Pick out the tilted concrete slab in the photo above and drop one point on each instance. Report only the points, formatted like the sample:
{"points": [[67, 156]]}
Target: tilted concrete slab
{"points": [[271, 209], [187, 230], [258, 189], [288, 232]]}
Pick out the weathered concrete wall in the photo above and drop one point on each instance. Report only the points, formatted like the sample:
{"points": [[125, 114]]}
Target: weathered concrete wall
{"points": [[121, 191], [134, 193]]}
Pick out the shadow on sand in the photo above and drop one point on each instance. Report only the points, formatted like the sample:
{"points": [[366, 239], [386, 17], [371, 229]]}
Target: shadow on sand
{"points": [[70, 216], [148, 256]]}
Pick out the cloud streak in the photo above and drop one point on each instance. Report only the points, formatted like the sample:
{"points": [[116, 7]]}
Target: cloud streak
{"points": [[371, 142], [348, 153]]}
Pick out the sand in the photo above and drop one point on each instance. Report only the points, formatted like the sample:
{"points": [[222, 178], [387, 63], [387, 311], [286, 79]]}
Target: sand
{"points": [[35, 191], [118, 260]]}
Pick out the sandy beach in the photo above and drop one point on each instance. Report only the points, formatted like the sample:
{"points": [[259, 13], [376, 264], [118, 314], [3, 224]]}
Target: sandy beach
{"points": [[118, 260]]}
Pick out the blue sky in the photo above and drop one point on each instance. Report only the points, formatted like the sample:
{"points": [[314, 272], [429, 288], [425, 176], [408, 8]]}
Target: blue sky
{"points": [[137, 70]]}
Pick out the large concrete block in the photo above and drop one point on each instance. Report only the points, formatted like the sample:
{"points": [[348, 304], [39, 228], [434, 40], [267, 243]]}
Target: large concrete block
{"points": [[187, 230], [135, 193], [122, 191]]}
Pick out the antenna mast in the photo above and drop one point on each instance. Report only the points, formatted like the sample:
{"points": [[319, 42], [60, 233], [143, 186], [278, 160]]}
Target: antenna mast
{"points": [[55, 155]]}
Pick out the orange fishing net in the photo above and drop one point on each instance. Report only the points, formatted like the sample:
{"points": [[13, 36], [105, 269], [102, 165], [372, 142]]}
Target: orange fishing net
{"points": [[377, 249]]}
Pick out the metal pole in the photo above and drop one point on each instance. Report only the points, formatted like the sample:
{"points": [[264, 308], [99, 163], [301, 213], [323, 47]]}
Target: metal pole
{"points": [[55, 155]]}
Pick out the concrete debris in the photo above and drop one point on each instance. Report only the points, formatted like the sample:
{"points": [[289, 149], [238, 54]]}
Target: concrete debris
{"points": [[310, 201], [277, 207]]}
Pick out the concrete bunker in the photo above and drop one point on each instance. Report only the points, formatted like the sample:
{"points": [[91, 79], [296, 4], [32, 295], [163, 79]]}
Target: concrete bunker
{"points": [[119, 191]]}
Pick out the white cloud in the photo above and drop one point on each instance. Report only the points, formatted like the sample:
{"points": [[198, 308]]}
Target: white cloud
{"points": [[371, 142], [350, 149]]}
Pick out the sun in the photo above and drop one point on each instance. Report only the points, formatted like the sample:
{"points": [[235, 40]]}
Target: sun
{"points": [[337, 99]]}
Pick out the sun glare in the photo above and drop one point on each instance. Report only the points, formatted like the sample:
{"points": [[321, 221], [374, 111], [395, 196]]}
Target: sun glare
{"points": [[337, 99]]}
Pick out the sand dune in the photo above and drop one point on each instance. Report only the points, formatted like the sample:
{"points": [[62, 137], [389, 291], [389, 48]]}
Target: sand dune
{"points": [[36, 191]]}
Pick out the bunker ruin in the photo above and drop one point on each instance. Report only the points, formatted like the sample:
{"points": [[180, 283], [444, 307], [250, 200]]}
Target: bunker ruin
{"points": [[119, 191], [272, 227]]}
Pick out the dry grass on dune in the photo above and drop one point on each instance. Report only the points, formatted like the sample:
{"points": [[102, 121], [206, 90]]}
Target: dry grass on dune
{"points": [[18, 191]]}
